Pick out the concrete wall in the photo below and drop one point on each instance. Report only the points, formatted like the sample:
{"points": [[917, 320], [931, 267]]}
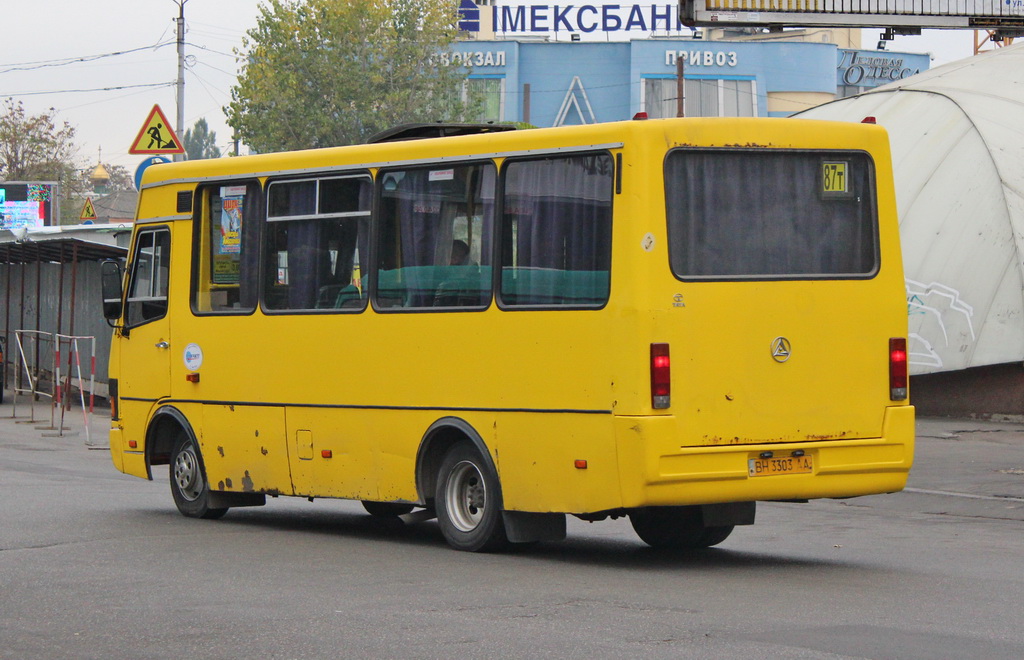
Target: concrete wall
{"points": [[980, 392]]}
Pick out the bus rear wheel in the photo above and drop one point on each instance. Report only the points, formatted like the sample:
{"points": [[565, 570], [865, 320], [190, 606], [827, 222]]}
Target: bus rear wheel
{"points": [[188, 481], [466, 501], [676, 528]]}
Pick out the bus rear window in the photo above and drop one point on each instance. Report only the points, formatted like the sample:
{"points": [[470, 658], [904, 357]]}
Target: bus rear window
{"points": [[770, 214]]}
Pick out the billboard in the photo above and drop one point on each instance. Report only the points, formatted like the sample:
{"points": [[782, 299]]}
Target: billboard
{"points": [[964, 14], [28, 204]]}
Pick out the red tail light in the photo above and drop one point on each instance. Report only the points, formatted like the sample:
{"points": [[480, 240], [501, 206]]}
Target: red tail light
{"points": [[661, 377], [898, 368]]}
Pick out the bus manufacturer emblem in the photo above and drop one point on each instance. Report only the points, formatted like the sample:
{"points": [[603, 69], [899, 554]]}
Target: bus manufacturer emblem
{"points": [[781, 349]]}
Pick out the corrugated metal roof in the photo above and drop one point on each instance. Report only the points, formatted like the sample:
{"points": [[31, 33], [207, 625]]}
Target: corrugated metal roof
{"points": [[58, 250], [957, 135]]}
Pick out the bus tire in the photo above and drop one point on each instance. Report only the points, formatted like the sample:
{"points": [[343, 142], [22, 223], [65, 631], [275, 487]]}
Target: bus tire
{"points": [[386, 509], [467, 500], [676, 528], [189, 488]]}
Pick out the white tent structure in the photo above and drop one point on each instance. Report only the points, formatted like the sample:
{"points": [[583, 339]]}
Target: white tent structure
{"points": [[957, 135]]}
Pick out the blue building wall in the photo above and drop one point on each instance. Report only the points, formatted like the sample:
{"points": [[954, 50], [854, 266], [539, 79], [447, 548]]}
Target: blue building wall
{"points": [[583, 82]]}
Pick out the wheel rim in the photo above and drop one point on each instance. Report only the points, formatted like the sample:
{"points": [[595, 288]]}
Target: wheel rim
{"points": [[187, 475], [465, 496]]}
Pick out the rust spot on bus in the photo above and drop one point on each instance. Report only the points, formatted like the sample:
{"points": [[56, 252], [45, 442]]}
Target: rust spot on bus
{"points": [[228, 482], [830, 436], [220, 450], [263, 450], [247, 484]]}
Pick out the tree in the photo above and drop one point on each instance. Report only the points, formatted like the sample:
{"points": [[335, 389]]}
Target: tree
{"points": [[120, 178], [321, 73], [36, 148], [200, 142]]}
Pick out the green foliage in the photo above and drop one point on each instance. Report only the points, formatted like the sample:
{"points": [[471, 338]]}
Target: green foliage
{"points": [[200, 142], [33, 148], [37, 148], [321, 73]]}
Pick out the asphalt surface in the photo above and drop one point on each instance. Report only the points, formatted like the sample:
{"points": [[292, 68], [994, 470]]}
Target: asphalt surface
{"points": [[95, 564]]}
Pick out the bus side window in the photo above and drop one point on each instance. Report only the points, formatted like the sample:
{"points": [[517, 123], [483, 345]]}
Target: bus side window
{"points": [[556, 231], [147, 293], [225, 250], [317, 232], [435, 235]]}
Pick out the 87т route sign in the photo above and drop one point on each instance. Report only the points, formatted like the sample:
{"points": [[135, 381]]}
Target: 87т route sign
{"points": [[156, 136]]}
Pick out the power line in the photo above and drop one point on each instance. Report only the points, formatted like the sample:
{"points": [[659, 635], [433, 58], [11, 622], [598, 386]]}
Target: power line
{"points": [[95, 89], [44, 64], [219, 52]]}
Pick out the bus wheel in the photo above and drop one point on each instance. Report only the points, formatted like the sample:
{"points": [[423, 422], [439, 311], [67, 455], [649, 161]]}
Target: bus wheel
{"points": [[466, 501], [676, 527], [188, 481], [386, 509]]}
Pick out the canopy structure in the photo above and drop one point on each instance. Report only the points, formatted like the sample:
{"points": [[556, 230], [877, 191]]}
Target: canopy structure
{"points": [[957, 135]]}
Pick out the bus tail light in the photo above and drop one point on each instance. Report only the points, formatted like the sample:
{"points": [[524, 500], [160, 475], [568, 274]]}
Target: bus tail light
{"points": [[661, 377], [898, 368]]}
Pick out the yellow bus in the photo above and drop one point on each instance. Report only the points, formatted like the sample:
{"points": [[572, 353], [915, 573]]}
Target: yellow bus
{"points": [[668, 320]]}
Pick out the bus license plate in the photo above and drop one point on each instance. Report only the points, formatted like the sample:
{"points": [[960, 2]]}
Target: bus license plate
{"points": [[769, 467]]}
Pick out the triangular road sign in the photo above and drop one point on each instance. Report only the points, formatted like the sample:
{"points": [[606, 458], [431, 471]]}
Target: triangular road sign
{"points": [[88, 210], [156, 136]]}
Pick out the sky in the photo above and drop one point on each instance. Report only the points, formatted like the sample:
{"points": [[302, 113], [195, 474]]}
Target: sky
{"points": [[41, 42]]}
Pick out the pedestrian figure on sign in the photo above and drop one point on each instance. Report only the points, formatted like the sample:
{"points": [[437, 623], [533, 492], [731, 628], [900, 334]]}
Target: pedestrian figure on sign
{"points": [[155, 137]]}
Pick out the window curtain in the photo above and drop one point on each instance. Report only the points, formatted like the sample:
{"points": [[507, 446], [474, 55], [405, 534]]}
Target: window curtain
{"points": [[763, 214]]}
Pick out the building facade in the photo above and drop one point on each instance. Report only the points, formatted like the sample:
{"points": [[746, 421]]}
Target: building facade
{"points": [[549, 66]]}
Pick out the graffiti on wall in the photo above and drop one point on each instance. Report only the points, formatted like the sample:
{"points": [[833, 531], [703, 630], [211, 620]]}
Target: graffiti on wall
{"points": [[938, 317]]}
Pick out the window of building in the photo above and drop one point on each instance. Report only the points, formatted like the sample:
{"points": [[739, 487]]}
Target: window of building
{"points": [[317, 240], [556, 231], [743, 214], [492, 91], [226, 248], [703, 97], [844, 91], [435, 227], [147, 293]]}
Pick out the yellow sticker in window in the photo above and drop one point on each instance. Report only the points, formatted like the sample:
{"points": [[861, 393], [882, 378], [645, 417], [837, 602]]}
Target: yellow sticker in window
{"points": [[833, 177]]}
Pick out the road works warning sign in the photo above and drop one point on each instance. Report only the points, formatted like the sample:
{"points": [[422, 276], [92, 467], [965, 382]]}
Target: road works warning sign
{"points": [[88, 210], [156, 136]]}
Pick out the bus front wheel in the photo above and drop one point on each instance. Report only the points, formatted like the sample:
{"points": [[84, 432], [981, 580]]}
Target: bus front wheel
{"points": [[467, 501], [188, 481], [676, 527]]}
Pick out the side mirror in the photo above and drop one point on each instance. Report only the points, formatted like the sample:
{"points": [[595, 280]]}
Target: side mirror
{"points": [[110, 283]]}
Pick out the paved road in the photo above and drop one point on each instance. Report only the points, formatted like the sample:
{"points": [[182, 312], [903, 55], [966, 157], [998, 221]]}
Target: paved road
{"points": [[95, 564]]}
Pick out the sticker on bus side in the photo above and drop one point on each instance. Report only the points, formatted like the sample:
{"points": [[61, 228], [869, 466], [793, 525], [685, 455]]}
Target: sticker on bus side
{"points": [[193, 357]]}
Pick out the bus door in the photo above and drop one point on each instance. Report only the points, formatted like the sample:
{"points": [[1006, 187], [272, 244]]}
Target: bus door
{"points": [[145, 345]]}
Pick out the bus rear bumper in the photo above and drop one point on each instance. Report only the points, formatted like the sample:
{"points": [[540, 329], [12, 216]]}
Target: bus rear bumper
{"points": [[673, 475]]}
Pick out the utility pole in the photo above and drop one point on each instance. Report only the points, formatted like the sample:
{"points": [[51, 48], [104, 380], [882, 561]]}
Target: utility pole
{"points": [[180, 122], [680, 86]]}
